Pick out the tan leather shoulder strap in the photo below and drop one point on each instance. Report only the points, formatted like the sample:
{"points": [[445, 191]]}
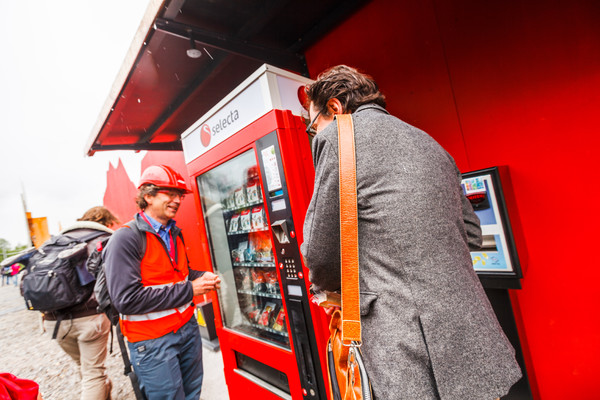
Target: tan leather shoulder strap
{"points": [[348, 230]]}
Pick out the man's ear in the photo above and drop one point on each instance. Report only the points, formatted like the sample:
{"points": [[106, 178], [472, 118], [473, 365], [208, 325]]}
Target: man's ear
{"points": [[148, 198], [334, 106]]}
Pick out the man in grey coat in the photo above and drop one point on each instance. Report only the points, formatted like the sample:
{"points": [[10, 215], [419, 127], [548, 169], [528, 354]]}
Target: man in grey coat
{"points": [[429, 331]]}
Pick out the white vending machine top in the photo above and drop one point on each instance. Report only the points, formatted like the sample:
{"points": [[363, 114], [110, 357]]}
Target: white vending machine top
{"points": [[268, 88]]}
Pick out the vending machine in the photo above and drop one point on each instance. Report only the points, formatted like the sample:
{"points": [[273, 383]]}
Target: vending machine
{"points": [[251, 164]]}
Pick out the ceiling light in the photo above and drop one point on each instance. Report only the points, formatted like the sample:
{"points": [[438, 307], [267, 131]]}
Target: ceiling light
{"points": [[193, 52]]}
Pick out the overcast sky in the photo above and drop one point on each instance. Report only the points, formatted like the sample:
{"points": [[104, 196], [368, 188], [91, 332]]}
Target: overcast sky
{"points": [[58, 62]]}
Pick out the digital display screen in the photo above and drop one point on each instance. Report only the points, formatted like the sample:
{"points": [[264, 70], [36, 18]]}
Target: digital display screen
{"points": [[295, 290], [482, 190]]}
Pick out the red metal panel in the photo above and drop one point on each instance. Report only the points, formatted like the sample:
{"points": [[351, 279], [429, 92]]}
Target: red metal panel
{"points": [[516, 84], [120, 193], [397, 43], [533, 96]]}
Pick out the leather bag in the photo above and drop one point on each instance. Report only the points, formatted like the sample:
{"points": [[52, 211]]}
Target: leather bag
{"points": [[348, 378]]}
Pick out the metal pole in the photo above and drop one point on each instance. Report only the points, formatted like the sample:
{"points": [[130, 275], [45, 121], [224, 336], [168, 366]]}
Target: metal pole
{"points": [[25, 211]]}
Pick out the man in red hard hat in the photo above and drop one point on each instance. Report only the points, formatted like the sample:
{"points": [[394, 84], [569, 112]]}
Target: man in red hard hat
{"points": [[151, 285]]}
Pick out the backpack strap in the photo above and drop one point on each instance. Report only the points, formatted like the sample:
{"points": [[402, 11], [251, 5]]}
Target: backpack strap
{"points": [[88, 237], [59, 319], [128, 371], [141, 235], [185, 252]]}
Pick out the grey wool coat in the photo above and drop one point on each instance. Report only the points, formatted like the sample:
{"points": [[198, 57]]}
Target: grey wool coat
{"points": [[428, 328]]}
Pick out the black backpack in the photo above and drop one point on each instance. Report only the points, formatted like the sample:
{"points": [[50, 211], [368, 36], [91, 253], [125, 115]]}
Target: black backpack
{"points": [[95, 265], [56, 276]]}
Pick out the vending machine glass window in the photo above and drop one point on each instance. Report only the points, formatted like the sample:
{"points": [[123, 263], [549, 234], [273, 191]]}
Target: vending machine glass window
{"points": [[242, 250]]}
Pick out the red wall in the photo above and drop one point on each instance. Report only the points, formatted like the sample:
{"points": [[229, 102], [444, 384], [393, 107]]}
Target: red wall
{"points": [[508, 83], [120, 193]]}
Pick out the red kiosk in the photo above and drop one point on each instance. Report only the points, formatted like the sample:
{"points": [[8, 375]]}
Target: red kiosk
{"points": [[510, 84]]}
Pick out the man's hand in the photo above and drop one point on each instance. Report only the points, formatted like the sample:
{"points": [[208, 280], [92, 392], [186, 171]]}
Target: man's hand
{"points": [[330, 310], [206, 283]]}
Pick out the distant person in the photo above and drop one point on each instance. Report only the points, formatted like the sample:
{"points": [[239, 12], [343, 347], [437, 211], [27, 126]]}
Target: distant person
{"points": [[83, 332], [6, 274], [428, 329], [14, 272], [152, 286]]}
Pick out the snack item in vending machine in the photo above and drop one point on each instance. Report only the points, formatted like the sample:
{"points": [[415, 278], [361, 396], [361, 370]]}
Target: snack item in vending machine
{"points": [[258, 218], [243, 276], [230, 202], [236, 256], [264, 255], [253, 313], [272, 285], [279, 323], [245, 223], [252, 174], [249, 254], [258, 280], [253, 193], [267, 314], [262, 244], [240, 197], [233, 223]]}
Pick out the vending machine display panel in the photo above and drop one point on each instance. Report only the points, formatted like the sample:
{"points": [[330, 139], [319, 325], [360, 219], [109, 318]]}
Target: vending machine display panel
{"points": [[497, 256], [236, 222]]}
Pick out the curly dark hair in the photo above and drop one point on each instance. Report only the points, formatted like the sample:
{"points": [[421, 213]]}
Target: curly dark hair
{"points": [[351, 87], [145, 189], [99, 214]]}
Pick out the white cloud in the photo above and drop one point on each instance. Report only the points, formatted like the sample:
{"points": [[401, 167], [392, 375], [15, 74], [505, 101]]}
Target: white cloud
{"points": [[60, 59]]}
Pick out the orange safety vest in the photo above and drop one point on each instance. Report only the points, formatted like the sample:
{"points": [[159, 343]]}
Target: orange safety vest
{"points": [[158, 271]]}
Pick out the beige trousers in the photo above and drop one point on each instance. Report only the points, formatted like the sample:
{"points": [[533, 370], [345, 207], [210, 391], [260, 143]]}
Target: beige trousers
{"points": [[85, 340]]}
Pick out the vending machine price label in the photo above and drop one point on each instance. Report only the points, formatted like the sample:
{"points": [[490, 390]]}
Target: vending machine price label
{"points": [[271, 168]]}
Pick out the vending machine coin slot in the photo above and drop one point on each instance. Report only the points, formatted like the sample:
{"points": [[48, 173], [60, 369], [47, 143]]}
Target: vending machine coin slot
{"points": [[280, 231]]}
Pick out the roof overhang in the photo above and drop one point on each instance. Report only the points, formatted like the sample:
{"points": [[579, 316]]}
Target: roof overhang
{"points": [[160, 91]]}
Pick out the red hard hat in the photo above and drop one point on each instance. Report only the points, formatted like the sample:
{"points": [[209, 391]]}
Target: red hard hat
{"points": [[163, 176]]}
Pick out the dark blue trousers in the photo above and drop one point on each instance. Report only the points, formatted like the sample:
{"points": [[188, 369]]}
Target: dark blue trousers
{"points": [[170, 367]]}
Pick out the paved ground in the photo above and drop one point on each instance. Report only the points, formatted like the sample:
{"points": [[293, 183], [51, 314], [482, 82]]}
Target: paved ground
{"points": [[28, 353]]}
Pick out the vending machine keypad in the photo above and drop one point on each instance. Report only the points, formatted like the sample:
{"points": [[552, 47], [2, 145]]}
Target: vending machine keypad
{"points": [[290, 268]]}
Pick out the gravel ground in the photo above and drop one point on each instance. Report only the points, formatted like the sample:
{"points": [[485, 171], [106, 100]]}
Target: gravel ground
{"points": [[30, 354]]}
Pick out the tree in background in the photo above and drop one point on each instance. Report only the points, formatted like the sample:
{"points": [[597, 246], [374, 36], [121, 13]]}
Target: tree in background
{"points": [[6, 250]]}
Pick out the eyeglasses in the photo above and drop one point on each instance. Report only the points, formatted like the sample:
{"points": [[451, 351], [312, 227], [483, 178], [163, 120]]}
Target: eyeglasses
{"points": [[309, 129], [172, 193]]}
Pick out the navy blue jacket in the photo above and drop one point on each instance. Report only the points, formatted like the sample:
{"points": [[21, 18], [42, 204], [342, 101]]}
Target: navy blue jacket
{"points": [[123, 257]]}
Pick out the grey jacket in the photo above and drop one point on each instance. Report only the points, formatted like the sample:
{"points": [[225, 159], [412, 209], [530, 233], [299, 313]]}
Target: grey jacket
{"points": [[428, 328]]}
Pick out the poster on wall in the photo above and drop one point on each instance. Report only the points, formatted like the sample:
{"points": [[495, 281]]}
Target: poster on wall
{"points": [[497, 255]]}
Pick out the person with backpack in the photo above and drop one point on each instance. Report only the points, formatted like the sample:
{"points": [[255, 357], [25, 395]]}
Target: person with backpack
{"points": [[152, 286], [80, 330]]}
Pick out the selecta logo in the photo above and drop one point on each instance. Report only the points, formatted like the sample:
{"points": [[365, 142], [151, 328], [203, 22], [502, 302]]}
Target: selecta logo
{"points": [[206, 132], [205, 135]]}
